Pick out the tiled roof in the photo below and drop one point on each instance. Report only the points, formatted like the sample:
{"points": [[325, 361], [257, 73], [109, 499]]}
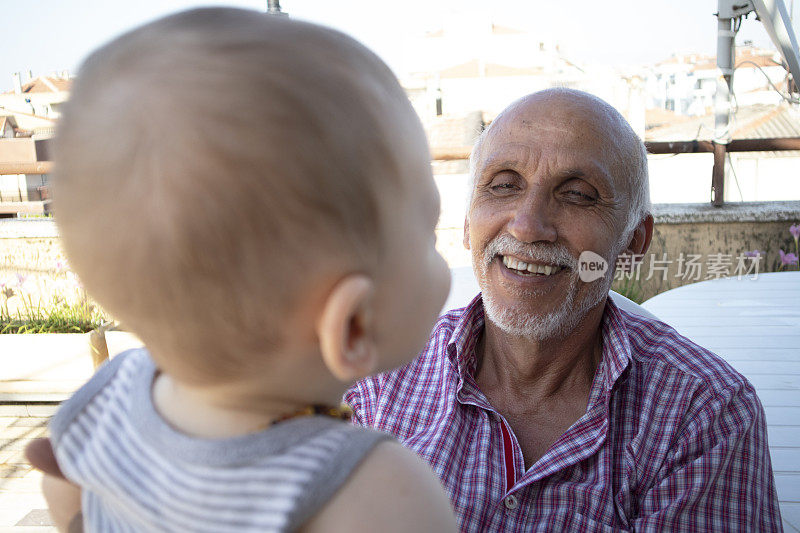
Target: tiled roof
{"points": [[455, 132], [749, 122], [7, 119], [46, 84], [745, 57], [657, 117], [472, 69]]}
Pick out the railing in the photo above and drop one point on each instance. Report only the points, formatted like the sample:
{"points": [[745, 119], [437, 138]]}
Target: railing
{"points": [[661, 147], [34, 167], [719, 150]]}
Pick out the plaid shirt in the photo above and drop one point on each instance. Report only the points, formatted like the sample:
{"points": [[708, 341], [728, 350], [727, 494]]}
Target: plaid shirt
{"points": [[673, 439]]}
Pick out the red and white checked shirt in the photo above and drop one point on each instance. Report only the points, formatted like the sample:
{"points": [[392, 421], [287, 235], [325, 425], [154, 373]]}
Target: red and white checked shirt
{"points": [[673, 438]]}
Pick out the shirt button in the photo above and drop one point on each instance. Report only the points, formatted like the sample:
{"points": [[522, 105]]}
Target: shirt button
{"points": [[511, 502]]}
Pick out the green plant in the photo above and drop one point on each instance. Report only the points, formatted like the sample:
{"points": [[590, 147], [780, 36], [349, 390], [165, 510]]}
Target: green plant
{"points": [[58, 305], [66, 318], [630, 287]]}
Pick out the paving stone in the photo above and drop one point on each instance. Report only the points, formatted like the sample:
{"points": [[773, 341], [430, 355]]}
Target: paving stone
{"points": [[22, 505], [13, 444], [14, 470], [29, 422], [42, 410], [13, 457], [23, 432], [6, 421], [36, 517], [21, 486], [15, 410]]}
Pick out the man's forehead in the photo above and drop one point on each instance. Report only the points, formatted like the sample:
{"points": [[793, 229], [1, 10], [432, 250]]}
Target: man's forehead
{"points": [[542, 118], [559, 123], [563, 151], [519, 142]]}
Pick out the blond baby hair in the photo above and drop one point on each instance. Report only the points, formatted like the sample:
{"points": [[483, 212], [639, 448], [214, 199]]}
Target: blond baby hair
{"points": [[212, 165]]}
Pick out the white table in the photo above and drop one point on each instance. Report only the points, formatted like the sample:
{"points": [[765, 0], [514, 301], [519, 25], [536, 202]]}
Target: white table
{"points": [[755, 326]]}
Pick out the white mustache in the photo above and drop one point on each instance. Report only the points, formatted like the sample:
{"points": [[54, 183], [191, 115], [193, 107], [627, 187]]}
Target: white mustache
{"points": [[505, 244]]}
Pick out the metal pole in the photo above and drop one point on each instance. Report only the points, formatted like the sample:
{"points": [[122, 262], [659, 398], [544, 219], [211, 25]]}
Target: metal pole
{"points": [[722, 106], [274, 7]]}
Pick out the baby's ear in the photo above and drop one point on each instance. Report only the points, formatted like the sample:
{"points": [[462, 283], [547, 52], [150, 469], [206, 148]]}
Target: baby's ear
{"points": [[344, 329]]}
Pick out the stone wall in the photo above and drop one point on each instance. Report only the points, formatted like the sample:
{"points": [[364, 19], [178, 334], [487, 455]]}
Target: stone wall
{"points": [[29, 247], [719, 236]]}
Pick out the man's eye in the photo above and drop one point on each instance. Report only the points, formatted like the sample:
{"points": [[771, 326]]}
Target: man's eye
{"points": [[578, 195], [502, 188]]}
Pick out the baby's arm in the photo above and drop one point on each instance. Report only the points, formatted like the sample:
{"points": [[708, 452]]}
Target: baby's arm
{"points": [[391, 491], [63, 498]]}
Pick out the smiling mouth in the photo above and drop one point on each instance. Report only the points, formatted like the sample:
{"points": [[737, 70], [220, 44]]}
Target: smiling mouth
{"points": [[529, 269]]}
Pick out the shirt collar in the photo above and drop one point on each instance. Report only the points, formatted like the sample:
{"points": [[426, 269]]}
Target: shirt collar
{"points": [[467, 332], [616, 351], [616, 345]]}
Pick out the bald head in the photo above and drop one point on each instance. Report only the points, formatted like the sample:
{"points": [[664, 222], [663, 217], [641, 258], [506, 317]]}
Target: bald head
{"points": [[590, 121]]}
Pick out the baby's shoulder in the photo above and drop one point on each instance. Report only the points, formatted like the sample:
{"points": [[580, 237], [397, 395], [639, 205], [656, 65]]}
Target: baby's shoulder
{"points": [[395, 491], [114, 379]]}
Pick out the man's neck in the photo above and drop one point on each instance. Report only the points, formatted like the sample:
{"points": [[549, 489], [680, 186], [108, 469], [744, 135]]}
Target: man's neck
{"points": [[541, 387], [541, 367]]}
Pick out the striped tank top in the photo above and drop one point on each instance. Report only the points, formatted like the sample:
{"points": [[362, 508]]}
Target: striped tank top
{"points": [[137, 473]]}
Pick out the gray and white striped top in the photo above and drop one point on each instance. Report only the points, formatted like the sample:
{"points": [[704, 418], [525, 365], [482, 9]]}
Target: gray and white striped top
{"points": [[137, 473]]}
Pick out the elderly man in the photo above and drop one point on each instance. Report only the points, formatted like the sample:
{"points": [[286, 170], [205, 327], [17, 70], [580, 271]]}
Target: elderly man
{"points": [[543, 406]]}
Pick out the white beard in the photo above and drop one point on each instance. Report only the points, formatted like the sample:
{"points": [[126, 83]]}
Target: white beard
{"points": [[519, 322]]}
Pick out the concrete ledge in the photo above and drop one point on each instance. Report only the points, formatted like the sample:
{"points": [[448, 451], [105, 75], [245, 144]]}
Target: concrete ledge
{"points": [[24, 208], [730, 212], [48, 367]]}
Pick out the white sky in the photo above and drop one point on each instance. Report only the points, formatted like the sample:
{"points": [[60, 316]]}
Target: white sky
{"points": [[50, 35]]}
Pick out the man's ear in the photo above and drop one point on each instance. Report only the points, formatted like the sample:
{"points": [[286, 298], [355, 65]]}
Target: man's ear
{"points": [[641, 237], [344, 329], [466, 232]]}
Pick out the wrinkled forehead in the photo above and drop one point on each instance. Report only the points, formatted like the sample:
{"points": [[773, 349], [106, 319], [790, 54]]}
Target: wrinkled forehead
{"points": [[572, 131], [572, 121]]}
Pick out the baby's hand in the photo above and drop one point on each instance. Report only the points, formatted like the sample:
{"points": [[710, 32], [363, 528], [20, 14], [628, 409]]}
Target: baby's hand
{"points": [[63, 498]]}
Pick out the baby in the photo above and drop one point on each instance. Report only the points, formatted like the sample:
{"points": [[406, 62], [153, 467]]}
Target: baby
{"points": [[252, 196]]}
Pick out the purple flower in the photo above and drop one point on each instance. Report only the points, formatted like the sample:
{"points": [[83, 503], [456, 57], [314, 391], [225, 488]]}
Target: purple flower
{"points": [[21, 279], [73, 280], [787, 259], [754, 253], [794, 229]]}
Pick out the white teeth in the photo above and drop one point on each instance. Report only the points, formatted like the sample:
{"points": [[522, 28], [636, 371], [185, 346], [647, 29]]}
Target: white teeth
{"points": [[515, 264]]}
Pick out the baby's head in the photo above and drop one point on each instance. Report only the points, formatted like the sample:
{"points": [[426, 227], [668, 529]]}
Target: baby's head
{"points": [[239, 189]]}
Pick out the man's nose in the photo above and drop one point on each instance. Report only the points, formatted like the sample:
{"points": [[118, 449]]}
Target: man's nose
{"points": [[532, 219]]}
